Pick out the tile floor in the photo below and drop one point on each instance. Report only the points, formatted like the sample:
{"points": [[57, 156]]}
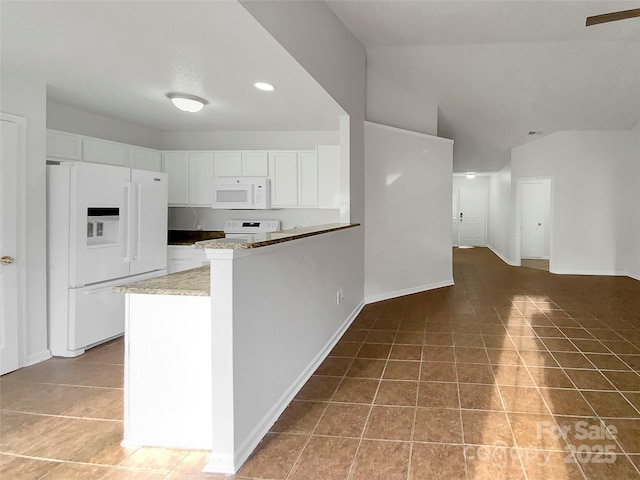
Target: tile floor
{"points": [[512, 373]]}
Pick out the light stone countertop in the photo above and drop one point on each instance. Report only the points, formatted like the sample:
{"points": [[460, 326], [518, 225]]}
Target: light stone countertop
{"points": [[257, 240], [194, 282]]}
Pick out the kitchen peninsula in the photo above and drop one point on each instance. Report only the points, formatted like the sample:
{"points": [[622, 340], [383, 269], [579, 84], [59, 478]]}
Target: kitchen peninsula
{"points": [[215, 354]]}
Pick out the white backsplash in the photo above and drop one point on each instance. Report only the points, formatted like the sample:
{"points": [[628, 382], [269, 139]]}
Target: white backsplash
{"points": [[186, 218]]}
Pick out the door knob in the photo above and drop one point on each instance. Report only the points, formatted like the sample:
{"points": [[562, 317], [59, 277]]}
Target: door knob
{"points": [[6, 260]]}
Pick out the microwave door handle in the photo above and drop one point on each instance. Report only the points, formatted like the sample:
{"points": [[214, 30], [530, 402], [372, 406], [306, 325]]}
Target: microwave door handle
{"points": [[127, 235]]}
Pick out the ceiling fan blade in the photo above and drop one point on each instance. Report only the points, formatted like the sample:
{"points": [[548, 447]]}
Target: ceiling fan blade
{"points": [[612, 17]]}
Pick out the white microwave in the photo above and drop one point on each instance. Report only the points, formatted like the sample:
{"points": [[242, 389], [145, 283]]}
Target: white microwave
{"points": [[249, 193]]}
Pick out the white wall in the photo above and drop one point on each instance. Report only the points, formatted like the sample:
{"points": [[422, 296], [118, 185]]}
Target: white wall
{"points": [[27, 98], [408, 212], [595, 177], [272, 330], [82, 122], [215, 140], [633, 234], [500, 215], [335, 58]]}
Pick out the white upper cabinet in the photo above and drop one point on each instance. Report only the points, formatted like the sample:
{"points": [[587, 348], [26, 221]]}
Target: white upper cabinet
{"points": [[227, 164], [284, 179], [64, 145], [329, 184], [103, 151], [176, 165], [70, 146], [307, 179], [239, 163], [255, 164], [201, 178], [294, 179], [145, 159], [299, 179]]}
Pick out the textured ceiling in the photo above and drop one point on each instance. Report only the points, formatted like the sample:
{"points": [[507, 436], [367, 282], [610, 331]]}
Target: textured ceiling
{"points": [[121, 58]]}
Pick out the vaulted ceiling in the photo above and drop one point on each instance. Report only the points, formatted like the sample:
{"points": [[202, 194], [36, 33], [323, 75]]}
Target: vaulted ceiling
{"points": [[486, 73]]}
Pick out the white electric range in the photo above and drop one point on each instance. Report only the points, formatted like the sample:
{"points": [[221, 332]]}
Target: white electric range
{"points": [[238, 228]]}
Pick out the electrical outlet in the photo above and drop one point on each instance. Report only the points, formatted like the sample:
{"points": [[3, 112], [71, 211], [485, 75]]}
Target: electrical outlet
{"points": [[339, 296]]}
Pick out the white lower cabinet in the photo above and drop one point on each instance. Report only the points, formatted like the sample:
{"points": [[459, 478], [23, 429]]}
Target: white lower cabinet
{"points": [[184, 257]]}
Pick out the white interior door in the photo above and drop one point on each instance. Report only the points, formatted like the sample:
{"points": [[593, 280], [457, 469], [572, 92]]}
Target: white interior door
{"points": [[473, 217], [534, 211], [9, 321]]}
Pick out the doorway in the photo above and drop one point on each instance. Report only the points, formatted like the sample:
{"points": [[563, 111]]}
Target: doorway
{"points": [[472, 217], [534, 198], [12, 150]]}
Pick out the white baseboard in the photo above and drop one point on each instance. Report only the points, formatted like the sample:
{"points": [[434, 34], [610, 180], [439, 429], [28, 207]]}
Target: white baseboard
{"points": [[224, 463], [408, 291], [603, 273], [37, 357], [502, 257]]}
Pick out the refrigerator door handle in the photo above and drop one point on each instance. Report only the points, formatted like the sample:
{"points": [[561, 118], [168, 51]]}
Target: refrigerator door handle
{"points": [[127, 236], [139, 223]]}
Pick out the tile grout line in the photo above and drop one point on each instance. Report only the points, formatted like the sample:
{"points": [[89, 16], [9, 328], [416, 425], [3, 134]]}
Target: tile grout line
{"points": [[526, 366], [366, 422]]}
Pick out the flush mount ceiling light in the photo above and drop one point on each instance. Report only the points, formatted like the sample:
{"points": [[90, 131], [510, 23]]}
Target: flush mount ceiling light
{"points": [[186, 102], [265, 87], [471, 175]]}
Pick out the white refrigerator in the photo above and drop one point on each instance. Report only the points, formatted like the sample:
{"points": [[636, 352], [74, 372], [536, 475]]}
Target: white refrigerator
{"points": [[106, 226]]}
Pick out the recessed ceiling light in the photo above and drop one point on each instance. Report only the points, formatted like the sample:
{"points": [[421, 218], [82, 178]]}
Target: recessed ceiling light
{"points": [[186, 102], [471, 175], [266, 87]]}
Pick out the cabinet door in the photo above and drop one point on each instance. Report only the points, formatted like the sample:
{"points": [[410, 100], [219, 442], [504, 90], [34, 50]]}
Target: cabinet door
{"points": [[227, 164], [284, 178], [176, 165], [307, 179], [64, 145], [201, 178], [145, 159], [329, 192], [104, 151], [255, 164]]}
